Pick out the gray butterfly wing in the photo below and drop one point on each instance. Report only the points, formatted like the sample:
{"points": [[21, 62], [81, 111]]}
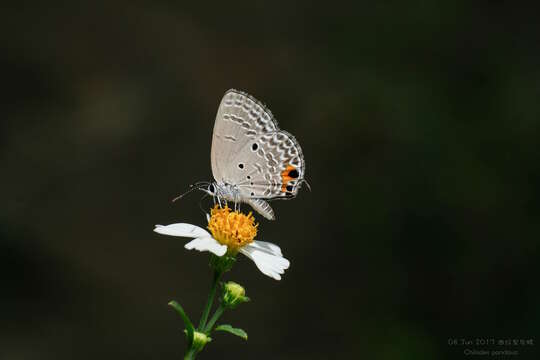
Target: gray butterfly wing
{"points": [[262, 207], [240, 118], [250, 151], [270, 166]]}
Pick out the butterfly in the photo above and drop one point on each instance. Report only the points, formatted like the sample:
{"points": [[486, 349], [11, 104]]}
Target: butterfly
{"points": [[253, 160]]}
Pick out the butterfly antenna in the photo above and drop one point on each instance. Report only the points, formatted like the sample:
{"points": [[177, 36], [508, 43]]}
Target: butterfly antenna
{"points": [[192, 187]]}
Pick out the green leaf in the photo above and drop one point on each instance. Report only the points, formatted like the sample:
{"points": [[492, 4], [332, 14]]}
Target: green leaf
{"points": [[235, 331], [189, 326]]}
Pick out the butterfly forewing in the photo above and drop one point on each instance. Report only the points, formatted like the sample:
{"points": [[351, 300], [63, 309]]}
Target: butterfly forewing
{"points": [[239, 119]]}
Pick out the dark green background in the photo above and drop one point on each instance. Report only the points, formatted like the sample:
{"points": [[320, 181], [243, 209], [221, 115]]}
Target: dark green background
{"points": [[420, 125]]}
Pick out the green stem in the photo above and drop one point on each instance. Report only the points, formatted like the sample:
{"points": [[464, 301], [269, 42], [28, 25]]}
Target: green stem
{"points": [[210, 301], [214, 318], [190, 355]]}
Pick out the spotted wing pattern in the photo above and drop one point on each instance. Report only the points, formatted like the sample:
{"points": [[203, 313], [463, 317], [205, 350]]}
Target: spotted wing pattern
{"points": [[272, 166], [250, 151]]}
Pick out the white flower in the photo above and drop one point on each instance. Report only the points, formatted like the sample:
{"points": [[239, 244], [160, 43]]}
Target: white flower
{"points": [[232, 232]]}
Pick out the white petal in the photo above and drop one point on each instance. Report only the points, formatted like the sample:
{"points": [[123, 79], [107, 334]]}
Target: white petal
{"points": [[267, 247], [269, 264], [261, 266], [207, 244], [182, 229], [268, 272]]}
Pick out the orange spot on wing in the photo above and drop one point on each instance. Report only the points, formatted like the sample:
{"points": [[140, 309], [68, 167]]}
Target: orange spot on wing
{"points": [[285, 178]]}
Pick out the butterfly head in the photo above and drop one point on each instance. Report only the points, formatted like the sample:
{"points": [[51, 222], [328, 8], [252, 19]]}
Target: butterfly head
{"points": [[211, 189], [221, 191]]}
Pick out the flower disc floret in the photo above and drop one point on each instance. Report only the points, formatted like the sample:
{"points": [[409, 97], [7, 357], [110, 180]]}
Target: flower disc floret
{"points": [[232, 228]]}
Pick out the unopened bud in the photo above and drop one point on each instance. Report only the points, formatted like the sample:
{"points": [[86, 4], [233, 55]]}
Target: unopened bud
{"points": [[234, 294], [200, 339]]}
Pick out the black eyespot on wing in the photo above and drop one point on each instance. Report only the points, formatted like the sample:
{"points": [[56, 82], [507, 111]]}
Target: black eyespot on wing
{"points": [[252, 193], [249, 177], [289, 187], [254, 147], [294, 173], [241, 166]]}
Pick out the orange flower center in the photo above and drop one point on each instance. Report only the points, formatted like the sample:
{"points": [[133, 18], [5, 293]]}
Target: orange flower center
{"points": [[232, 228]]}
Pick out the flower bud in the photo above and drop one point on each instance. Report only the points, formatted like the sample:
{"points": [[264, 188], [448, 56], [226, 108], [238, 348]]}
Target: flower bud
{"points": [[233, 294], [199, 340]]}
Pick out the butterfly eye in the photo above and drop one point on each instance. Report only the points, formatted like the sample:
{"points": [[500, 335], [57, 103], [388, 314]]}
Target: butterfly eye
{"points": [[211, 188]]}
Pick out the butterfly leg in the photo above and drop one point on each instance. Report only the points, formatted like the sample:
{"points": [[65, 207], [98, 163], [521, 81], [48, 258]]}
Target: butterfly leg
{"points": [[238, 203], [219, 200], [236, 200]]}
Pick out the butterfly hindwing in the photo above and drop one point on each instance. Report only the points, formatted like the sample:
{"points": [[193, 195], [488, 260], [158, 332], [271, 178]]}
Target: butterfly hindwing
{"points": [[270, 166]]}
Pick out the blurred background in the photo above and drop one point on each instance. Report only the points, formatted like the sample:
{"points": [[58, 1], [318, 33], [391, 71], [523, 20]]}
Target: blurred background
{"points": [[420, 127]]}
